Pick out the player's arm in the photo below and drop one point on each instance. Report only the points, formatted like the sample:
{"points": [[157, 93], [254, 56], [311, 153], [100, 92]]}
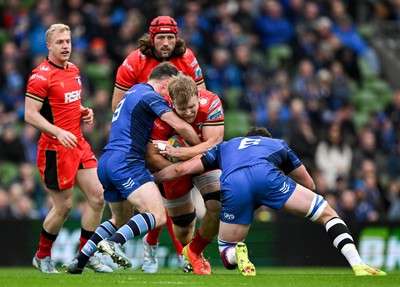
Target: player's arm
{"points": [[34, 118], [116, 98], [173, 171], [154, 160], [211, 135], [301, 176], [181, 127]]}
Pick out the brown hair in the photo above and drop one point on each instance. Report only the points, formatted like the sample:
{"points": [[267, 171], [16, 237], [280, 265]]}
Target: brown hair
{"points": [[147, 48], [181, 88]]}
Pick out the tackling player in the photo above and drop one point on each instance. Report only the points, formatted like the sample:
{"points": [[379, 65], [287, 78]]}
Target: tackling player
{"points": [[259, 170], [203, 110], [159, 45], [127, 183]]}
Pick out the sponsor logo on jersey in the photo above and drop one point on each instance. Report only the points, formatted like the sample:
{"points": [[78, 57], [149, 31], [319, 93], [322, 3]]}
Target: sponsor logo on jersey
{"points": [[215, 114], [125, 63], [248, 142], [214, 104], [229, 216], [198, 72], [158, 125], [39, 77], [194, 63], [285, 188], [72, 96], [129, 183], [45, 68], [203, 101]]}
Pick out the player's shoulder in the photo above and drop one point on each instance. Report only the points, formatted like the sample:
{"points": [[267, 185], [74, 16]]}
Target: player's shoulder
{"points": [[207, 94], [208, 99], [189, 57], [43, 68], [135, 55]]}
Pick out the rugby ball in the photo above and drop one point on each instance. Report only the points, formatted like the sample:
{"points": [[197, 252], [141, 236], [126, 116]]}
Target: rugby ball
{"points": [[177, 141]]}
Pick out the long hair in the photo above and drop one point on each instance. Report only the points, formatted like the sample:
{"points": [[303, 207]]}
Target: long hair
{"points": [[147, 48]]}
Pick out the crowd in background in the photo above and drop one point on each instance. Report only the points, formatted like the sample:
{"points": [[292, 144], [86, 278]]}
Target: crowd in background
{"points": [[292, 66]]}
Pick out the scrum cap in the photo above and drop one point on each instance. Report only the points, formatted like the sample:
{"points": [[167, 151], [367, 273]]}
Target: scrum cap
{"points": [[163, 24]]}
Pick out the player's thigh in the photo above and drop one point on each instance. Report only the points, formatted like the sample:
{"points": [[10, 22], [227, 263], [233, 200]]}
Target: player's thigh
{"points": [[62, 199], [300, 201], [232, 232], [89, 183]]}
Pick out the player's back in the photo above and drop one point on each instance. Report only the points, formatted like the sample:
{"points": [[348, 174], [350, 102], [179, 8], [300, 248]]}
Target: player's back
{"points": [[133, 120], [249, 151]]}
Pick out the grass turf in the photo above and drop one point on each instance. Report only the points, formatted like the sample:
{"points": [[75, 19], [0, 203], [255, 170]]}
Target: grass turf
{"points": [[296, 277]]}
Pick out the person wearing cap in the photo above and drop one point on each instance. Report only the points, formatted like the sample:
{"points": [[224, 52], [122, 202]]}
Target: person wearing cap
{"points": [[159, 45]]}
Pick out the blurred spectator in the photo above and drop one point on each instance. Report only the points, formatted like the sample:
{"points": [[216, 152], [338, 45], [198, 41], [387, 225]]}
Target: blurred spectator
{"points": [[392, 111], [194, 28], [222, 73], [11, 146], [346, 206], [31, 183], [5, 209], [365, 210], [29, 138], [333, 156], [345, 30], [393, 191], [301, 136], [366, 149], [22, 206], [271, 26]]}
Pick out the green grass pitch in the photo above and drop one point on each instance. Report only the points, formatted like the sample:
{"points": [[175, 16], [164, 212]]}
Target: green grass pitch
{"points": [[282, 277]]}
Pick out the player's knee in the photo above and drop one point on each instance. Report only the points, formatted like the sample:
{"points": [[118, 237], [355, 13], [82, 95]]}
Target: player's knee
{"points": [[317, 208], [184, 220], [213, 196], [213, 207]]}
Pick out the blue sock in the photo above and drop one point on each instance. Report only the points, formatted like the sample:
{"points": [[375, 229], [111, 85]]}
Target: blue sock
{"points": [[104, 231], [140, 223]]}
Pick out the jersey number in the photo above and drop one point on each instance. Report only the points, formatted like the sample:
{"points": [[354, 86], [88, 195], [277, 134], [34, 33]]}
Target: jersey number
{"points": [[247, 142], [117, 110]]}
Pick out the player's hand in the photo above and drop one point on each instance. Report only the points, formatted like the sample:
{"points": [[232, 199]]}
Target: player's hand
{"points": [[87, 115], [164, 147], [67, 139]]}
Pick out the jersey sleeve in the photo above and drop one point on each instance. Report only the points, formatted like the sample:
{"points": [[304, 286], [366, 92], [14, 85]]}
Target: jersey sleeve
{"points": [[216, 112], [126, 76], [195, 72], [291, 161], [210, 158], [37, 86]]}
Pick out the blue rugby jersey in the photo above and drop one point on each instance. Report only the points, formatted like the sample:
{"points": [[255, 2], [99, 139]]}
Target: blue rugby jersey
{"points": [[133, 120], [248, 151]]}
